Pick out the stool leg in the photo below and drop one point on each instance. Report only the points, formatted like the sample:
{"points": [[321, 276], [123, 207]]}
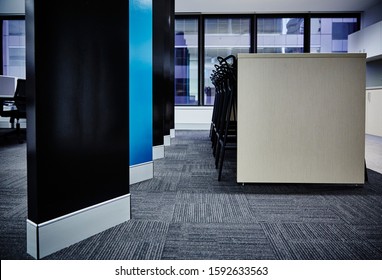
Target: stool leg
{"points": [[366, 177]]}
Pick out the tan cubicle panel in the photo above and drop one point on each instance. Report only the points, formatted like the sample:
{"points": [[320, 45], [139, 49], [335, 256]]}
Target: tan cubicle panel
{"points": [[301, 118]]}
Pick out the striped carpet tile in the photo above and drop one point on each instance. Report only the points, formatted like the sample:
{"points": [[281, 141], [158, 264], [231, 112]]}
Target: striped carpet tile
{"points": [[335, 251], [318, 241], [12, 241], [211, 208], [294, 213], [157, 184], [216, 241], [152, 206], [202, 181], [373, 233], [130, 240], [13, 157], [359, 209]]}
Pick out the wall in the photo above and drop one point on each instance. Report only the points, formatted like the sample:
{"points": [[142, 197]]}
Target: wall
{"points": [[141, 86], [193, 117], [12, 7], [372, 15], [373, 68], [374, 112], [374, 73]]}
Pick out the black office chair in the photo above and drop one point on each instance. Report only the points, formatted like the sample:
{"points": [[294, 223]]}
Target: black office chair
{"points": [[15, 107], [223, 130]]}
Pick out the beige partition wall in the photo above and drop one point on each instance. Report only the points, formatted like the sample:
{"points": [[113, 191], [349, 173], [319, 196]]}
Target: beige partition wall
{"points": [[301, 118]]}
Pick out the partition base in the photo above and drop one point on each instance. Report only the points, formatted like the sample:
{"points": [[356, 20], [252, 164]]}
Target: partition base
{"points": [[51, 236]]}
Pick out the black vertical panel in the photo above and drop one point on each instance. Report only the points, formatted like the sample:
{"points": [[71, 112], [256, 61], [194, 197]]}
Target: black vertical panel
{"points": [[31, 110], [163, 67], [168, 56], [1, 45], [307, 19], [77, 91], [159, 85]]}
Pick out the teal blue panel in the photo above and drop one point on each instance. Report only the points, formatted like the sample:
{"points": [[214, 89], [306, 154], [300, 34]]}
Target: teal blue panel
{"points": [[140, 81]]}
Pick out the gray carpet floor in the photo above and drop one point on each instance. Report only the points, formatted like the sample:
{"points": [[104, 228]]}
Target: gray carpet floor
{"points": [[185, 213]]}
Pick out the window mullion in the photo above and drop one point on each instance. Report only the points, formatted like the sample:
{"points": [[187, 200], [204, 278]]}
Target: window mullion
{"points": [[307, 33], [201, 47]]}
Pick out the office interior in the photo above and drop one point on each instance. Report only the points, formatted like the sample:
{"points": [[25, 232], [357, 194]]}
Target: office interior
{"points": [[116, 157]]}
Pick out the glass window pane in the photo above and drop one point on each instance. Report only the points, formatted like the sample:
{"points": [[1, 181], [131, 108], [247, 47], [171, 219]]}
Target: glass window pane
{"points": [[330, 35], [186, 62], [280, 35], [14, 48], [223, 37]]}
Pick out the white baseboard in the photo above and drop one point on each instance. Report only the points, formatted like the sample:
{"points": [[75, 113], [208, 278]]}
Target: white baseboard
{"points": [[51, 236], [167, 140], [141, 172], [172, 133], [158, 152], [192, 126]]}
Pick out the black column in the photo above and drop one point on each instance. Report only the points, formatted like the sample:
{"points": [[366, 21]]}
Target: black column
{"points": [[163, 64], [77, 114], [169, 66], [159, 42]]}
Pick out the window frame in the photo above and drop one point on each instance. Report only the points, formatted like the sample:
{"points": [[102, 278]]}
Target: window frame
{"points": [[306, 34], [220, 16], [335, 15], [198, 18], [3, 18], [201, 48]]}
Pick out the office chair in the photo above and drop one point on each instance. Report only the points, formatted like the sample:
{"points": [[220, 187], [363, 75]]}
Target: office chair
{"points": [[223, 130]]}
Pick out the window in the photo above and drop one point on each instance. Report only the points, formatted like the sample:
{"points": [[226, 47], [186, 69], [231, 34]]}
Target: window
{"points": [[186, 62], [280, 35], [330, 35], [13, 46], [200, 39], [223, 37]]}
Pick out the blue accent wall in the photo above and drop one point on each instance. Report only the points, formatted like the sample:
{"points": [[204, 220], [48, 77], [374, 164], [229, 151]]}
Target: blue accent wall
{"points": [[141, 81]]}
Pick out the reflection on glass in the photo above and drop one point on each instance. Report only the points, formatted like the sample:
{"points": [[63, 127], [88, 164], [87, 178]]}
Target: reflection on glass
{"points": [[223, 37], [186, 62], [14, 48], [330, 35], [280, 35]]}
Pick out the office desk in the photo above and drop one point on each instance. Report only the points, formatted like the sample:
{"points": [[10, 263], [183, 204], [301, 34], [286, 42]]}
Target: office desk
{"points": [[301, 118]]}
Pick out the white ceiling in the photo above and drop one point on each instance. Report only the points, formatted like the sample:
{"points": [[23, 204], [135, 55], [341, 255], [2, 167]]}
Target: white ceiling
{"points": [[274, 6]]}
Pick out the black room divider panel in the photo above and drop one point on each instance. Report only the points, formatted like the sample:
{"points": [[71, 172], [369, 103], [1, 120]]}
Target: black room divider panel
{"points": [[163, 80], [78, 105]]}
